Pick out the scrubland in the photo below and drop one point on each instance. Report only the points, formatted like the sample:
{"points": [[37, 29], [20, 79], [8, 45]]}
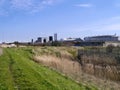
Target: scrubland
{"points": [[90, 67]]}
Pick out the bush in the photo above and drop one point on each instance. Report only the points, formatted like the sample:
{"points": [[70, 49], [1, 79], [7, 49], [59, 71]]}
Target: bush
{"points": [[56, 43], [117, 59], [109, 48]]}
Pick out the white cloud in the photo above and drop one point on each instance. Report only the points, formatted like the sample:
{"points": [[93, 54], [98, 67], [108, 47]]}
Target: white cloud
{"points": [[25, 5], [48, 2], [31, 3], [21, 4], [85, 5]]}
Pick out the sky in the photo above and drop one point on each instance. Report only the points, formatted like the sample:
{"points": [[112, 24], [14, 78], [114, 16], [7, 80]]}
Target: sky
{"points": [[22, 20]]}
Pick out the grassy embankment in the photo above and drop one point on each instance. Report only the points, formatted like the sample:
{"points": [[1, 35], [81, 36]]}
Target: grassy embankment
{"points": [[19, 72]]}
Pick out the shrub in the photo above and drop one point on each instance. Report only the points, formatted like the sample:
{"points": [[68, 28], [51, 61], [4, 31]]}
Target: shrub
{"points": [[109, 48], [56, 43], [117, 59]]}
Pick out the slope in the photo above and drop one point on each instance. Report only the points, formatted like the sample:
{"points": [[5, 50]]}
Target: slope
{"points": [[19, 72]]}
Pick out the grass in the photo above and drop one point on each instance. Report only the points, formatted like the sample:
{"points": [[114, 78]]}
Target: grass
{"points": [[19, 72]]}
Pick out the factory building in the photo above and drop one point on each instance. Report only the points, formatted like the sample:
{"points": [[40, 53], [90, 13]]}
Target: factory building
{"points": [[103, 38], [42, 40], [50, 38]]}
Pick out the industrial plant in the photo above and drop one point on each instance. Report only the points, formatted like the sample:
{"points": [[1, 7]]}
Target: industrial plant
{"points": [[49, 39]]}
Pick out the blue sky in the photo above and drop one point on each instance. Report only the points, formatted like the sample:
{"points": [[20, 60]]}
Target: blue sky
{"points": [[22, 20]]}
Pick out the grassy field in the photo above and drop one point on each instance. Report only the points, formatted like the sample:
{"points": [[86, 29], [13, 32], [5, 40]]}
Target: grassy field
{"points": [[19, 72]]}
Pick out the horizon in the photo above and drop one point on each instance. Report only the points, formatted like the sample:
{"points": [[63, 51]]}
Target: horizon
{"points": [[64, 38], [23, 20]]}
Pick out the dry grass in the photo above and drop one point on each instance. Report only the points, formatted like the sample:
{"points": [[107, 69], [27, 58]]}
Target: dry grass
{"points": [[66, 66], [61, 60], [105, 67]]}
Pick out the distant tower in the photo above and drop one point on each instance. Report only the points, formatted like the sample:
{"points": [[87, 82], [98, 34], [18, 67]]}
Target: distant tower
{"points": [[55, 37], [32, 41]]}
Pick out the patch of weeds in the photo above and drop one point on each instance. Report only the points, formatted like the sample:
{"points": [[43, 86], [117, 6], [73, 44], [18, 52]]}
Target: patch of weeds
{"points": [[73, 53], [58, 54]]}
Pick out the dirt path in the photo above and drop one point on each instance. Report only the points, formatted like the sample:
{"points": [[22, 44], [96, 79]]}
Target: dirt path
{"points": [[1, 51]]}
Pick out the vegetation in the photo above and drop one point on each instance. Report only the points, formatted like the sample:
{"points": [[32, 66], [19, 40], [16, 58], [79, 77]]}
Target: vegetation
{"points": [[109, 49], [56, 43], [19, 72], [104, 62], [95, 62]]}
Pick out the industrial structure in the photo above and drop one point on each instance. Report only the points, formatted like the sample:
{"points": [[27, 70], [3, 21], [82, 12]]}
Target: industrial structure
{"points": [[42, 40], [50, 38], [102, 38], [55, 37]]}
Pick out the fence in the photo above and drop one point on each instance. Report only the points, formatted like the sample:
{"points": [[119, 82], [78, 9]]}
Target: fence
{"points": [[100, 62], [101, 54]]}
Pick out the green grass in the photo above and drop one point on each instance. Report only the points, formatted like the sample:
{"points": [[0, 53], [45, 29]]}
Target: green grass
{"points": [[19, 72]]}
